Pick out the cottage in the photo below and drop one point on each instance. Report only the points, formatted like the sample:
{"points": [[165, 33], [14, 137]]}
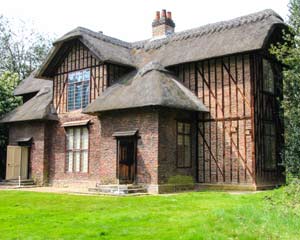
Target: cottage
{"points": [[201, 103]]}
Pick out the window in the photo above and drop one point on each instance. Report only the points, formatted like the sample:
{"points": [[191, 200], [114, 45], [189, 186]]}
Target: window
{"points": [[184, 145], [77, 149], [78, 89], [269, 150], [268, 75]]}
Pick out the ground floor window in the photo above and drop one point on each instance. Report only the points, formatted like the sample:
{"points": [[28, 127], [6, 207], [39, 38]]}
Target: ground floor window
{"points": [[269, 148], [77, 149], [184, 148]]}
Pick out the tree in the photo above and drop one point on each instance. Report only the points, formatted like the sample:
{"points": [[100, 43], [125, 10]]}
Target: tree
{"points": [[8, 102], [21, 49], [288, 53]]}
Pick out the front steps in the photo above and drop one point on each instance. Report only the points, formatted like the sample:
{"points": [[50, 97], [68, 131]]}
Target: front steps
{"points": [[24, 183], [130, 189]]}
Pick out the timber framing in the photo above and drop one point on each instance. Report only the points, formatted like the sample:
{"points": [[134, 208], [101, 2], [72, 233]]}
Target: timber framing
{"points": [[229, 137], [78, 57]]}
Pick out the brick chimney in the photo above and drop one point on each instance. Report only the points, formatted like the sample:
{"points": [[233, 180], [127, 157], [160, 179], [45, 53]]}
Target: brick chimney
{"points": [[163, 24]]}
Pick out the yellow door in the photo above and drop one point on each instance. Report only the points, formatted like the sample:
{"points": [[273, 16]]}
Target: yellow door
{"points": [[17, 162], [13, 161], [24, 162]]}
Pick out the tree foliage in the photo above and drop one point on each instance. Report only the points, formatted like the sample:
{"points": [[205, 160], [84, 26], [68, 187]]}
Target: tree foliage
{"points": [[8, 101], [21, 49], [289, 54]]}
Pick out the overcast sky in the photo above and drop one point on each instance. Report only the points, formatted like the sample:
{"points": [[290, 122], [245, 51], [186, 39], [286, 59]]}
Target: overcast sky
{"points": [[129, 20]]}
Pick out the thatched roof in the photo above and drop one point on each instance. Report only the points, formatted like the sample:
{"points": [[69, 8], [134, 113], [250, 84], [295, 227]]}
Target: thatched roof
{"points": [[31, 85], [243, 34], [151, 86], [38, 108], [104, 48]]}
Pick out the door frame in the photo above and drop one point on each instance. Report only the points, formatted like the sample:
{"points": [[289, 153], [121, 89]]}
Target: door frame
{"points": [[134, 140]]}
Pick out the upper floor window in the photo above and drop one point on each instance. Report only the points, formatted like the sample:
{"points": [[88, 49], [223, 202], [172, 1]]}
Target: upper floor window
{"points": [[184, 147], [78, 89], [77, 149], [268, 77]]}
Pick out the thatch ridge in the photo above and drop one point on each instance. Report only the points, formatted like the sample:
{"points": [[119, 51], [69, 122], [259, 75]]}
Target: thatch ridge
{"points": [[208, 29], [212, 40]]}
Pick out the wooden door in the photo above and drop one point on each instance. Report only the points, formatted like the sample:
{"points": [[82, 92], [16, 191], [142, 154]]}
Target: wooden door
{"points": [[24, 162], [17, 162], [13, 162], [126, 158]]}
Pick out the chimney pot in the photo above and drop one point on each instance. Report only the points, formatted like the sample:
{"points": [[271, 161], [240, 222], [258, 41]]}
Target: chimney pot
{"points": [[157, 16], [163, 24]]}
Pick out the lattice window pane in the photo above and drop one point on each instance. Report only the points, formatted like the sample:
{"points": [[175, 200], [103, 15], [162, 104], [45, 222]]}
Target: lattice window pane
{"points": [[84, 161], [70, 161], [70, 137], [78, 89], [77, 136], [78, 96], [269, 146], [85, 94], [77, 161], [85, 138], [180, 140], [183, 144], [268, 75], [187, 128], [71, 95], [180, 127]]}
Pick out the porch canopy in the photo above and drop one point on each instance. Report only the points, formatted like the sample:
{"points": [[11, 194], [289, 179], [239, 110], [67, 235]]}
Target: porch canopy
{"points": [[131, 133], [153, 85]]}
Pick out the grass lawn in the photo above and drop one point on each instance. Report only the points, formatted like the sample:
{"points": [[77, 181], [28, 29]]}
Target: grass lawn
{"points": [[201, 215]]}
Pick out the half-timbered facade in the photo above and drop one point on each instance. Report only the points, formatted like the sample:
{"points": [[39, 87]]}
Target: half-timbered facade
{"points": [[202, 103]]}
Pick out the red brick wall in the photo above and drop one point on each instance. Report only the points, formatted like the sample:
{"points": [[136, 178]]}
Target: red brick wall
{"points": [[38, 155], [57, 154], [146, 121], [167, 145], [102, 150]]}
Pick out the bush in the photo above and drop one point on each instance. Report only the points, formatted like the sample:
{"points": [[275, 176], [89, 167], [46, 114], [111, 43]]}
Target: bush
{"points": [[180, 179], [287, 198]]}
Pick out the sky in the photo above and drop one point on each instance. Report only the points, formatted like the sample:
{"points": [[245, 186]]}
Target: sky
{"points": [[129, 20]]}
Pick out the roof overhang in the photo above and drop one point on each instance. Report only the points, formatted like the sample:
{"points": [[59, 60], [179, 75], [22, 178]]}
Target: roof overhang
{"points": [[27, 141], [52, 57], [130, 133], [76, 123]]}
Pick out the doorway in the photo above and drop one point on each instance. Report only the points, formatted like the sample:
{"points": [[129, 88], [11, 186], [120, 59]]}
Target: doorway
{"points": [[126, 160], [17, 162]]}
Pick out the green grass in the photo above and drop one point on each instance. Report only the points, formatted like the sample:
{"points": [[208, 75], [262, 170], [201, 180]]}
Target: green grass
{"points": [[202, 215]]}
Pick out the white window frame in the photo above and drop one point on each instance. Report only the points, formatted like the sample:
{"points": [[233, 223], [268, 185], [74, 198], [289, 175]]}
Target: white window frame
{"points": [[77, 150]]}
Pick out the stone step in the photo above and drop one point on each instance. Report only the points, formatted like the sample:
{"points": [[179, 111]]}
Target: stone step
{"points": [[119, 190], [122, 186], [23, 182]]}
